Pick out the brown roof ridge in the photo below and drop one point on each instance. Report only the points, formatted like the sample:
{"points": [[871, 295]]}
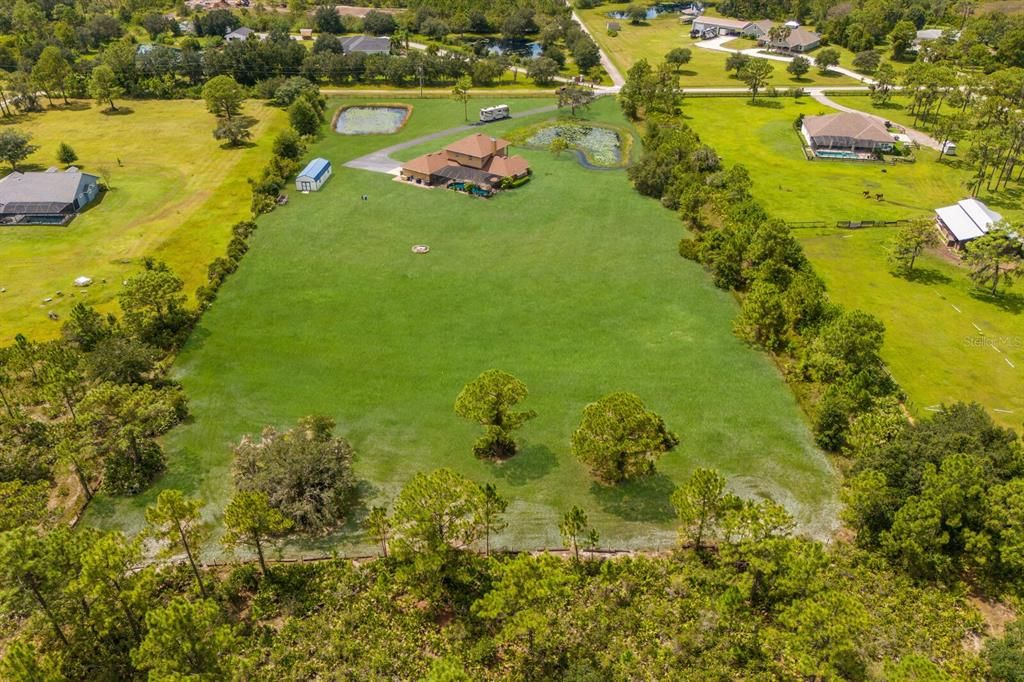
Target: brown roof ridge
{"points": [[478, 145]]}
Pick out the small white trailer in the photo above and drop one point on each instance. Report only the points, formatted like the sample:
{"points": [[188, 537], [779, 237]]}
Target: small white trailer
{"points": [[495, 113]]}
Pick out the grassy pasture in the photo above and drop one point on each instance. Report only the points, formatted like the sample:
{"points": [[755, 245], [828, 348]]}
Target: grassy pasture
{"points": [[571, 282], [656, 37], [762, 137], [932, 345], [174, 195], [945, 340], [1002, 7]]}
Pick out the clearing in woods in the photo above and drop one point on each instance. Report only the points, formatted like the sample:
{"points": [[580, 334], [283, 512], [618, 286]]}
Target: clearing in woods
{"points": [[573, 283]]}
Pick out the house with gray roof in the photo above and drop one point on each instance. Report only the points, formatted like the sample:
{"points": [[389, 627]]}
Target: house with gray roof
{"points": [[48, 198], [930, 35], [242, 33], [847, 131], [366, 44], [705, 27], [798, 40]]}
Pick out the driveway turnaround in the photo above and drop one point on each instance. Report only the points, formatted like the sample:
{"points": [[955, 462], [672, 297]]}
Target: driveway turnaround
{"points": [[380, 161]]}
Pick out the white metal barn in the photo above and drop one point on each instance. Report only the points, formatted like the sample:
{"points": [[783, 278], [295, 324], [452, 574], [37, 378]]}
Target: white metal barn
{"points": [[313, 176]]}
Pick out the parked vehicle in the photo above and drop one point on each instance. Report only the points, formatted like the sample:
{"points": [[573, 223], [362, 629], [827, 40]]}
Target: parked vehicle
{"points": [[495, 113]]}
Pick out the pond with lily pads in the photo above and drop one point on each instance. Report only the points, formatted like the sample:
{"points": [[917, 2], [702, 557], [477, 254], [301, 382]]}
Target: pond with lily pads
{"points": [[655, 11], [370, 119], [597, 147]]}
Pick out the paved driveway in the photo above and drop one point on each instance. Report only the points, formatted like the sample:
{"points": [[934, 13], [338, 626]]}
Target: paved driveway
{"points": [[917, 136], [380, 161], [718, 44]]}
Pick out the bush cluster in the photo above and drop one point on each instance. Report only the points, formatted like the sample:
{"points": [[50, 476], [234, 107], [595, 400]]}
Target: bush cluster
{"points": [[831, 352]]}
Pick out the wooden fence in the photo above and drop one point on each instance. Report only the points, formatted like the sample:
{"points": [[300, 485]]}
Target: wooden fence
{"points": [[362, 558], [854, 224]]}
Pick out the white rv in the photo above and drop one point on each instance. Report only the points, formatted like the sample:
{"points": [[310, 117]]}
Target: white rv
{"points": [[495, 113]]}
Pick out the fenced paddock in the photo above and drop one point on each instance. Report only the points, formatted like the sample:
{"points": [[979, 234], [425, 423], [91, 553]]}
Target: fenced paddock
{"points": [[853, 224]]}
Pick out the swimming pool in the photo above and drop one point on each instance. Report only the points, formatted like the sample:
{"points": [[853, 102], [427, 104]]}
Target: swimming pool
{"points": [[837, 154]]}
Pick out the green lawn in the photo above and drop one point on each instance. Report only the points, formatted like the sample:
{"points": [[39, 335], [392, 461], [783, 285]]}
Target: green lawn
{"points": [[174, 194], [571, 282], [933, 345], [896, 109], [763, 138], [655, 38], [934, 351]]}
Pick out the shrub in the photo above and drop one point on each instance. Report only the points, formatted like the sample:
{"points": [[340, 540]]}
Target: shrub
{"points": [[266, 88], [270, 184], [124, 475], [65, 154], [303, 117], [291, 89], [262, 203], [288, 145], [832, 422], [305, 472], [689, 249]]}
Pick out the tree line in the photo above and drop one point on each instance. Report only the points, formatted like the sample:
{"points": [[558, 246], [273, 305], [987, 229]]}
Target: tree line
{"points": [[741, 596], [939, 498], [47, 62]]}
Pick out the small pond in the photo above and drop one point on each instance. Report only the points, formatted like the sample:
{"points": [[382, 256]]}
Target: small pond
{"points": [[370, 120], [520, 48], [598, 147], [654, 11]]}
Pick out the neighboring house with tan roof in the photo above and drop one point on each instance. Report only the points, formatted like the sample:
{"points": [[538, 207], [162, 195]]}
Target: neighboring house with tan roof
{"points": [[480, 159], [797, 40], [846, 131]]}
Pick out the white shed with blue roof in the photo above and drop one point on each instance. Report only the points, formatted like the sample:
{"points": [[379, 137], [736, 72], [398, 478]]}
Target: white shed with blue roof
{"points": [[313, 176]]}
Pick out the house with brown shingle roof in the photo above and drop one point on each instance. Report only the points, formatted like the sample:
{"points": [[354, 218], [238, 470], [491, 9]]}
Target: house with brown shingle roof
{"points": [[847, 131], [476, 150], [479, 159]]}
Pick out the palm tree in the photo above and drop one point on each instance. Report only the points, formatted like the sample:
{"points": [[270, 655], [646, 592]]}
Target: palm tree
{"points": [[461, 92]]}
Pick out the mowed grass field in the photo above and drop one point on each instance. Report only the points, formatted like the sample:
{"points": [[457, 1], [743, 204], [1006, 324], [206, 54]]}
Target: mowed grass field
{"points": [[174, 194], [932, 345], [1007, 202], [653, 39], [945, 341], [572, 283], [762, 138]]}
